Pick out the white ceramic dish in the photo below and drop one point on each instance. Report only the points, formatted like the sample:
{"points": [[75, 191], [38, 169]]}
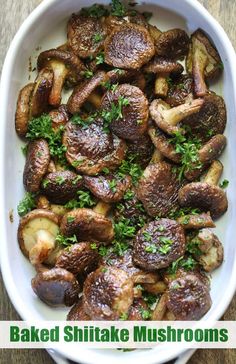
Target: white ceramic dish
{"points": [[46, 27]]}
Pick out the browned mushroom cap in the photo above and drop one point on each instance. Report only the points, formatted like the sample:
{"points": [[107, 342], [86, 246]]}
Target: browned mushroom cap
{"points": [[137, 309], [36, 235], [78, 259], [142, 149], [158, 244], [61, 187], [155, 288], [188, 298], [85, 35], [120, 76], [163, 65], [90, 149], [40, 96], [81, 93], [59, 116], [133, 118], [203, 61], [108, 188], [209, 152], [125, 262], [77, 312], [23, 109], [37, 161], [62, 63], [56, 287], [168, 118], [172, 44], [197, 221], [179, 90], [204, 196], [129, 46], [108, 293], [211, 250], [210, 119], [162, 143], [158, 189], [87, 225]]}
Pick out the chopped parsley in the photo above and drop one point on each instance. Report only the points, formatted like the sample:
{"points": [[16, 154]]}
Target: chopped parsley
{"points": [[146, 314], [66, 241], [97, 38], [124, 316], [117, 8], [70, 219], [60, 180], [99, 58], [94, 11], [88, 74], [84, 199], [112, 185], [27, 204], [224, 184], [114, 112], [128, 167], [188, 263]]}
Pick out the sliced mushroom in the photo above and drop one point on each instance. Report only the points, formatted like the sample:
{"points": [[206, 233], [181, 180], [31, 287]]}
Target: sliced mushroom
{"points": [[180, 89], [108, 188], [130, 46], [40, 95], [209, 152], [37, 232], [203, 61], [212, 253], [60, 187], [87, 225], [59, 117], [142, 149], [160, 309], [90, 149], [62, 63], [168, 118], [196, 221], [136, 310], [158, 189], [206, 195], [210, 119], [79, 259], [23, 109], [132, 121], [188, 298], [56, 287], [77, 312], [108, 293], [158, 244], [173, 44], [37, 161], [85, 35], [82, 92]]}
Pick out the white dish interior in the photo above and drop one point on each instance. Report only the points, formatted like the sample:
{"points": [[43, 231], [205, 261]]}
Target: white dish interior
{"points": [[46, 27]]}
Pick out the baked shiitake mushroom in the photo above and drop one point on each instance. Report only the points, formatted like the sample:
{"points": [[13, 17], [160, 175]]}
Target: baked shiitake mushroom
{"points": [[22, 114], [39, 101], [77, 312]]}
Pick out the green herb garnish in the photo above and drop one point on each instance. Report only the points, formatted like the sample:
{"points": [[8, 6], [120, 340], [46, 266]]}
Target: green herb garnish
{"points": [[27, 204]]}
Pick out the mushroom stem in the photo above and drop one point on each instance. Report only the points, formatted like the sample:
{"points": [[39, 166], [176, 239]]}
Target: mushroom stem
{"points": [[102, 208], [45, 242], [200, 61], [214, 173], [161, 85], [60, 72], [178, 113], [156, 157]]}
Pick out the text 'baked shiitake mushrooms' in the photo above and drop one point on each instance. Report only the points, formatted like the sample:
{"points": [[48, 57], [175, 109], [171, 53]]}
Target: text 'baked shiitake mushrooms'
{"points": [[130, 46], [37, 233], [132, 120], [158, 244], [108, 293], [56, 287], [206, 195]]}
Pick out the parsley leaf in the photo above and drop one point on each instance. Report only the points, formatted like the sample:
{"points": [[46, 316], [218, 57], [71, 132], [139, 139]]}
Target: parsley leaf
{"points": [[117, 8], [26, 204], [84, 199], [95, 11], [66, 241], [224, 183]]}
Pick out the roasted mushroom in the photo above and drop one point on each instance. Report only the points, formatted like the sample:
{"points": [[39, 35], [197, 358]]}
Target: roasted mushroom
{"points": [[108, 294], [37, 161], [196, 221], [206, 195], [82, 92], [56, 287], [40, 96], [158, 189], [209, 120], [142, 149], [62, 63], [132, 111], [168, 118], [108, 188], [158, 244], [37, 233], [90, 149], [211, 253], [77, 312], [85, 35], [59, 118], [87, 225], [188, 298], [203, 61], [23, 109], [173, 44], [130, 46], [60, 187], [180, 88], [160, 309], [138, 310], [79, 259]]}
